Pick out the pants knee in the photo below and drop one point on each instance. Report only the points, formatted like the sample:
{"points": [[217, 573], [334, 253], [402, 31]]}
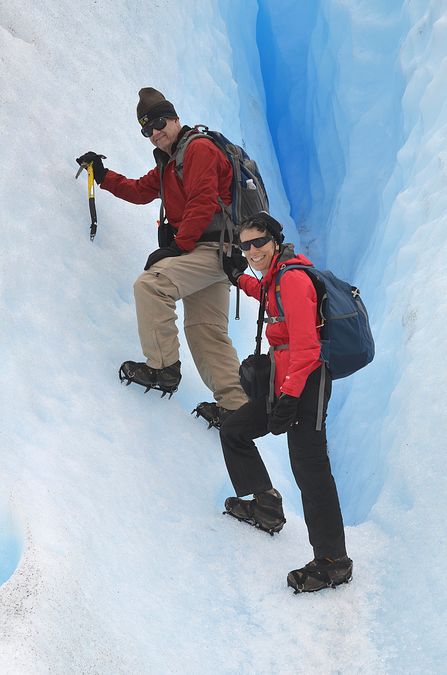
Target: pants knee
{"points": [[139, 285], [231, 434], [216, 330], [155, 285]]}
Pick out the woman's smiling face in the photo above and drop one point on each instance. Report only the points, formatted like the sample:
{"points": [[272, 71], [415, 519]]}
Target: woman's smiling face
{"points": [[260, 258]]}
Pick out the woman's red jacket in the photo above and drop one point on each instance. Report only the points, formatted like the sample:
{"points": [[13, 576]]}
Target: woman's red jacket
{"points": [[299, 330]]}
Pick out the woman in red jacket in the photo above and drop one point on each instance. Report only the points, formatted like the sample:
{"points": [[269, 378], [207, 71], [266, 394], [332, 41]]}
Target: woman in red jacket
{"points": [[297, 378]]}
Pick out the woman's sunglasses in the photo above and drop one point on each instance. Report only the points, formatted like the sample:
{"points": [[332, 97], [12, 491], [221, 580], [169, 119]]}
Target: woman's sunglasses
{"points": [[257, 243], [158, 124]]}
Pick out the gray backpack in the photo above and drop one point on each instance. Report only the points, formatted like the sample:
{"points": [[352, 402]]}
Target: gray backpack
{"points": [[248, 193]]}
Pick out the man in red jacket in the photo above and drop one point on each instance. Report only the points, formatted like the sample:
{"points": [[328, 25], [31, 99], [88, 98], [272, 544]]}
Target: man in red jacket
{"points": [[186, 266], [301, 385]]}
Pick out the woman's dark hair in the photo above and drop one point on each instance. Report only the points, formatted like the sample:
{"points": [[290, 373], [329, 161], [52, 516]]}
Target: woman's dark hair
{"points": [[263, 221]]}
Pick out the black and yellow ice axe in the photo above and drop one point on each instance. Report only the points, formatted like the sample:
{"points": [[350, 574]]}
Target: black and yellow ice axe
{"points": [[91, 195]]}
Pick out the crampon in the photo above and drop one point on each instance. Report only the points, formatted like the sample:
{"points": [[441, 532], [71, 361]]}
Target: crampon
{"points": [[263, 512], [163, 380], [254, 523], [211, 413], [319, 574]]}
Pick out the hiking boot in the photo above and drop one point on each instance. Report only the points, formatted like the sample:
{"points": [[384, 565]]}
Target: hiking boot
{"points": [[321, 573], [169, 378], [212, 413], [164, 379], [264, 511], [140, 373]]}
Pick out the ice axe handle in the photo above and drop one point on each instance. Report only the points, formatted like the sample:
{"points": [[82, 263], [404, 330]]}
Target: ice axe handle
{"points": [[91, 201], [93, 226]]}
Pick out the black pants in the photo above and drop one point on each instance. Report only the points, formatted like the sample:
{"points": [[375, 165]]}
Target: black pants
{"points": [[308, 458]]}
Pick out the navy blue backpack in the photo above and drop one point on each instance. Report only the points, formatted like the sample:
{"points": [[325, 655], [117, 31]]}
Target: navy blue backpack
{"points": [[346, 340]]}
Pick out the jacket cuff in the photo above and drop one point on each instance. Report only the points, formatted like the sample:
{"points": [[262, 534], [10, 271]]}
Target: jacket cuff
{"points": [[103, 183]]}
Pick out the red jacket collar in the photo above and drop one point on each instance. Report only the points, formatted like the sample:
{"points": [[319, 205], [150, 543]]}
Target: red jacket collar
{"points": [[286, 256]]}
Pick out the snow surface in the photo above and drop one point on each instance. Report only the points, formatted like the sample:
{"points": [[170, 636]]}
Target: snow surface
{"points": [[114, 555]]}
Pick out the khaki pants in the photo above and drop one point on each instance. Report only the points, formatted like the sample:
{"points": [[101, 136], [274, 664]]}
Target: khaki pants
{"points": [[197, 279]]}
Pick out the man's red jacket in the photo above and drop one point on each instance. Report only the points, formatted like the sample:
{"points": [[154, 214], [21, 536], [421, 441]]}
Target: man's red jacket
{"points": [[299, 330], [191, 205]]}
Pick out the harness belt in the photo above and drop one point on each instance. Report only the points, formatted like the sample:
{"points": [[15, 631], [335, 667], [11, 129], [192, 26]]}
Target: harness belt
{"points": [[212, 236]]}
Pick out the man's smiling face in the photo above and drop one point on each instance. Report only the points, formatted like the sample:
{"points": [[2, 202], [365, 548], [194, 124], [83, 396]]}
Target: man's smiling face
{"points": [[164, 138]]}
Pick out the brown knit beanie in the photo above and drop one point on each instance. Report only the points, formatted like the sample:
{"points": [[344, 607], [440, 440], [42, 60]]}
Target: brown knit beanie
{"points": [[152, 104]]}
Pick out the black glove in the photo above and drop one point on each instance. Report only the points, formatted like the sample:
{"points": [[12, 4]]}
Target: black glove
{"points": [[99, 170], [160, 253], [235, 265], [283, 415]]}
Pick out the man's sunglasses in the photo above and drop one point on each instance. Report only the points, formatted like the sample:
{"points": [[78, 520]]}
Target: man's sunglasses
{"points": [[157, 124], [257, 243]]}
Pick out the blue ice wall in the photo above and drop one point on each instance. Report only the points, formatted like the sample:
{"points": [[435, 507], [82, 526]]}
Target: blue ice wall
{"points": [[333, 87], [283, 40], [333, 90], [248, 73]]}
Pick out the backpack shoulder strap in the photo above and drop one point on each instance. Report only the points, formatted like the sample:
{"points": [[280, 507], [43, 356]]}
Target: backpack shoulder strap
{"points": [[317, 281], [182, 146], [178, 157], [227, 222]]}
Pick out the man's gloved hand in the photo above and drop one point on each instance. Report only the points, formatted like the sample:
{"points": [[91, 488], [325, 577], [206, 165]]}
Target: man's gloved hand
{"points": [[283, 415], [99, 170], [164, 252], [235, 265]]}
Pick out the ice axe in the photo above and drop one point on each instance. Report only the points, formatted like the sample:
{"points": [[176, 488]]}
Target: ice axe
{"points": [[91, 194]]}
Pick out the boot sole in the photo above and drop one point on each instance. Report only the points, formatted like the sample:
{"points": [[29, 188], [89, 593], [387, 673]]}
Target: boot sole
{"points": [[251, 521], [154, 387], [148, 387]]}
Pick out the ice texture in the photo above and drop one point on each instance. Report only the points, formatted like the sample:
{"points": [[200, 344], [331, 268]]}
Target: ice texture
{"points": [[114, 553]]}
